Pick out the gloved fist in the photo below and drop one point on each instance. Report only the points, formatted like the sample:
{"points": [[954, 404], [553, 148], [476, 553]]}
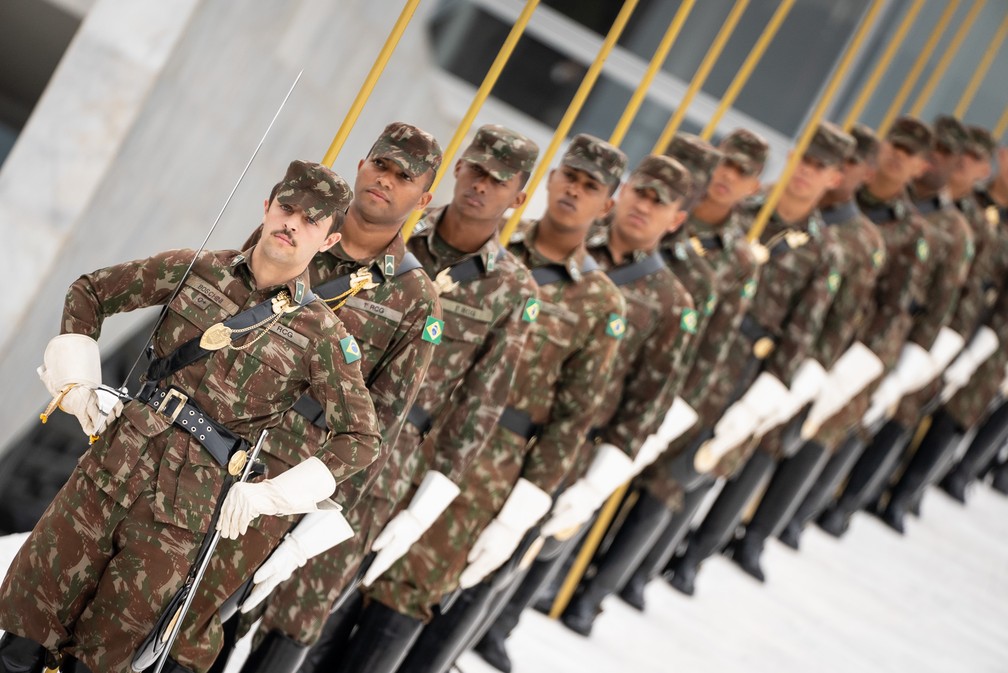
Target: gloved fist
{"points": [[392, 543]]}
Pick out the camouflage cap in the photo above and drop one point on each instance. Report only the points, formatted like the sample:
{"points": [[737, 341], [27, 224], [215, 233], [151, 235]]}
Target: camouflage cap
{"points": [[597, 158], [696, 154], [746, 150], [867, 142], [911, 134], [667, 177], [415, 150], [830, 145], [981, 143], [950, 133], [501, 151], [315, 188]]}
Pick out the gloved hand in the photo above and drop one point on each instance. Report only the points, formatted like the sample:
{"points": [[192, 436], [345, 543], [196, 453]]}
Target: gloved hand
{"points": [[946, 346], [523, 508], [315, 533], [296, 491], [763, 399], [433, 496], [610, 468], [851, 373], [805, 385], [71, 372], [914, 370], [983, 345], [678, 419]]}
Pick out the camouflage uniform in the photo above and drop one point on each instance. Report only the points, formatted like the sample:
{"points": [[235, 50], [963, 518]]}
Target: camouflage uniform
{"points": [[117, 541], [558, 387], [486, 320]]}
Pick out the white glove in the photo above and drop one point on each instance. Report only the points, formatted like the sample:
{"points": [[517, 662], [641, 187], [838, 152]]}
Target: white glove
{"points": [[433, 496], [315, 533], [763, 399], [883, 400], [678, 419], [915, 368], [524, 507], [851, 373], [806, 384], [946, 346], [610, 468], [296, 491], [71, 372], [983, 345]]}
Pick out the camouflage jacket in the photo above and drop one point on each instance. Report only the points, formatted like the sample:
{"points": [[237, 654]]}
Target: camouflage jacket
{"points": [[987, 276], [864, 255], [646, 372], [952, 251], [698, 276], [486, 322], [900, 291], [244, 389]]}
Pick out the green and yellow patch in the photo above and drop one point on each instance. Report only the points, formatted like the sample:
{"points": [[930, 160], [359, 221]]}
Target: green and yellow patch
{"points": [[923, 250], [432, 331], [531, 311], [688, 321], [615, 326], [351, 350]]}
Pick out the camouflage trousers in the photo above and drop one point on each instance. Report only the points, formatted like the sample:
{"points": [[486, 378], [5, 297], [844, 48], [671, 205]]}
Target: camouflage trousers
{"points": [[93, 577], [969, 406]]}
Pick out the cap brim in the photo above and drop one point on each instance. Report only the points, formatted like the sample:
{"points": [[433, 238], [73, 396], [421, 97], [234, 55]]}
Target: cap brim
{"points": [[497, 169], [590, 168], [401, 159], [665, 193], [743, 161]]}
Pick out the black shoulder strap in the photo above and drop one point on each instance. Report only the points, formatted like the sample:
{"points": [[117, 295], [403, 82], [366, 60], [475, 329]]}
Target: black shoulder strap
{"points": [[589, 264], [550, 273], [880, 215], [408, 263], [341, 284], [843, 212], [624, 275]]}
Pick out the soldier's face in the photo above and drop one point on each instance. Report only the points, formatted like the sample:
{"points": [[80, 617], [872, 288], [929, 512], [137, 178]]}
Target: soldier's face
{"points": [[385, 193], [290, 237], [941, 165], [480, 196], [854, 174], [576, 199], [898, 164], [729, 184], [641, 220], [812, 179]]}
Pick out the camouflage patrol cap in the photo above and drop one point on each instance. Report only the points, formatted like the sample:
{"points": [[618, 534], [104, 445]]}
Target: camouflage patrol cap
{"points": [[696, 154], [950, 133], [746, 150], [501, 151], [830, 145], [315, 188], [415, 150], [667, 177], [597, 158], [911, 134], [867, 142], [981, 143]]}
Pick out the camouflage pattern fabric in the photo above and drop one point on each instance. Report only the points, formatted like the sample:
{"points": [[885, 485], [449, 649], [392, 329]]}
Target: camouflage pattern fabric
{"points": [[415, 150], [315, 188], [501, 151], [990, 263], [604, 162]]}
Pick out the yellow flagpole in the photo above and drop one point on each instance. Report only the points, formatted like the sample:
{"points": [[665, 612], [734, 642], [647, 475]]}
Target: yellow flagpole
{"points": [[720, 40], [369, 83], [571, 114], [489, 81], [985, 63], [883, 64], [817, 114], [946, 59], [1002, 124], [918, 67], [744, 72]]}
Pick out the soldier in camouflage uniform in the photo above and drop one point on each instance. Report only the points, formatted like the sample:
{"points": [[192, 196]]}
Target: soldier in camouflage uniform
{"points": [[837, 350], [117, 541], [558, 387], [900, 296], [386, 302], [489, 302], [798, 279], [645, 378], [671, 489]]}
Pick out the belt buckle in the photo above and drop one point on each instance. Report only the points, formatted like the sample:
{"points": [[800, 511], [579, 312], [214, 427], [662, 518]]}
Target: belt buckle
{"points": [[182, 400]]}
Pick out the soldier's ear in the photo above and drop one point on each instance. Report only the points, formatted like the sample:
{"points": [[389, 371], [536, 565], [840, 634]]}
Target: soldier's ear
{"points": [[330, 240], [835, 178], [423, 201], [519, 199], [610, 202], [266, 203]]}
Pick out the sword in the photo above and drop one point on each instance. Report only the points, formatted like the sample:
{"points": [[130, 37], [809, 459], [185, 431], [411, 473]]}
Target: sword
{"points": [[154, 650]]}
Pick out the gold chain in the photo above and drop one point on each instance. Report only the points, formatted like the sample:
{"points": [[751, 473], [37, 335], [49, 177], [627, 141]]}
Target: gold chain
{"points": [[284, 298], [342, 298]]}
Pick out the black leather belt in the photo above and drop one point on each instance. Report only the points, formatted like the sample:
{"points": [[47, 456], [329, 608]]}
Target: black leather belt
{"points": [[174, 405], [762, 340], [418, 417], [312, 410], [519, 422]]}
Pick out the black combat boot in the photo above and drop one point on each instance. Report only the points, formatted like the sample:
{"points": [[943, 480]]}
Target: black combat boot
{"points": [[1000, 482], [989, 439], [381, 642], [325, 655], [22, 655], [277, 653], [74, 665], [825, 487], [447, 635]]}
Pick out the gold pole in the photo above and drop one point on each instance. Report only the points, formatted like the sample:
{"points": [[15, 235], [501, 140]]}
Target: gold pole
{"points": [[817, 114], [571, 114], [1002, 124], [946, 59], [633, 107], [474, 107], [369, 83], [917, 68], [743, 74], [883, 64], [981, 71], [701, 74]]}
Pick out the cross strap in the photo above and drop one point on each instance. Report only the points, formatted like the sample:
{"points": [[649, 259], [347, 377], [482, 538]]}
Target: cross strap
{"points": [[341, 284], [628, 273]]}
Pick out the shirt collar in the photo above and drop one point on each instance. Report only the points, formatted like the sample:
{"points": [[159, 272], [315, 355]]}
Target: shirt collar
{"points": [[426, 230]]}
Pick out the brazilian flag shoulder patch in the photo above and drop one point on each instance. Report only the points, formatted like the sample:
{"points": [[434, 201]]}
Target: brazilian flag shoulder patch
{"points": [[833, 281], [615, 326], [351, 350], [688, 321], [878, 258], [531, 311], [710, 304], [749, 289], [923, 250], [433, 329]]}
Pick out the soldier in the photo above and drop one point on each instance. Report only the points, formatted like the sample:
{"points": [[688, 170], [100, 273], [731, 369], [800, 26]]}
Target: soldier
{"points": [[242, 338], [386, 302], [558, 387], [801, 268], [850, 363], [646, 375], [671, 490], [489, 302]]}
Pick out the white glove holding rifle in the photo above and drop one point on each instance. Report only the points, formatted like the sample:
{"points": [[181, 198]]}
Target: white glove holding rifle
{"points": [[71, 372]]}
